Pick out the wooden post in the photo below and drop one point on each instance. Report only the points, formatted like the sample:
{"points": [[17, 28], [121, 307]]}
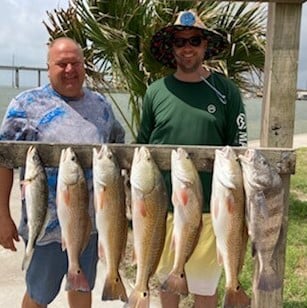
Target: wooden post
{"points": [[17, 77], [39, 77], [278, 116], [278, 112]]}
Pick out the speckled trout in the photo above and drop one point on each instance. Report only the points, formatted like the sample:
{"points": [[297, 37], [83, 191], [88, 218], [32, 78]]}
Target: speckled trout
{"points": [[149, 209], [228, 220], [111, 220], [72, 210], [187, 199], [264, 212], [35, 191]]}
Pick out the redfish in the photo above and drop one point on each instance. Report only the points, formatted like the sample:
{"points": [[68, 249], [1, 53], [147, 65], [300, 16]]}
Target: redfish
{"points": [[149, 209], [35, 190], [111, 220], [187, 199], [72, 210], [228, 220]]}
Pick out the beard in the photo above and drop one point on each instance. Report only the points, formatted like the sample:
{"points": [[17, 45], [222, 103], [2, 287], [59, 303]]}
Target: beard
{"points": [[188, 65]]}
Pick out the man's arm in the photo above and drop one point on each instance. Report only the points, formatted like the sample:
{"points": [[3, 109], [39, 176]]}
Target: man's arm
{"points": [[8, 230]]}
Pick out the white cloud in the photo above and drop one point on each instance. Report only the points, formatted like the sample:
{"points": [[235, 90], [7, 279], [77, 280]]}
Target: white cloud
{"points": [[23, 37], [23, 34]]}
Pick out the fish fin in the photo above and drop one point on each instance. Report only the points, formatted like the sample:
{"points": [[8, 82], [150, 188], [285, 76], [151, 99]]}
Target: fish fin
{"points": [[140, 204], [176, 283], [230, 203], [63, 244], [219, 256], [114, 289], [247, 211], [174, 198], [134, 257], [99, 198], [138, 298], [66, 196], [173, 243], [236, 298], [101, 253], [43, 229], [23, 189], [27, 259], [269, 280], [215, 207], [180, 196], [77, 282]]}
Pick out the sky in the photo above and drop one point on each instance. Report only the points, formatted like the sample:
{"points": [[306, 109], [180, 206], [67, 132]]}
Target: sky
{"points": [[23, 38]]}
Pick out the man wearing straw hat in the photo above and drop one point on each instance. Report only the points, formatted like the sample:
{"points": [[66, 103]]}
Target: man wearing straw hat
{"points": [[193, 106]]}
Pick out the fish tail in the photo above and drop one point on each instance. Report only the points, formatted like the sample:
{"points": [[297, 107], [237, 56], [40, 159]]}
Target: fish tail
{"points": [[176, 283], [138, 299], [269, 280], [114, 289], [236, 298], [77, 281]]}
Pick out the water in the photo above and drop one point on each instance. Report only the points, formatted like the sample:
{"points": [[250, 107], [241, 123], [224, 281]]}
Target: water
{"points": [[252, 105]]}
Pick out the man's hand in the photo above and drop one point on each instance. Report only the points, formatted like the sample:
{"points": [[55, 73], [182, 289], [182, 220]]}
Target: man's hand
{"points": [[8, 233]]}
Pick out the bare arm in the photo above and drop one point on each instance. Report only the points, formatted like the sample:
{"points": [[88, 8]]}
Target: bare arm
{"points": [[8, 230]]}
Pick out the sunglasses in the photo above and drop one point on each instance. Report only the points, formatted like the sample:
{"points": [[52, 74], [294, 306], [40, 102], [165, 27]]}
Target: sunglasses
{"points": [[195, 41]]}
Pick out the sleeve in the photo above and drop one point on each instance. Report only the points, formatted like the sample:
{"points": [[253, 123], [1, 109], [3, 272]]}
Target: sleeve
{"points": [[236, 119], [16, 125], [147, 121]]}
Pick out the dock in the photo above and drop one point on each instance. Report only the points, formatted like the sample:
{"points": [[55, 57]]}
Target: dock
{"points": [[16, 70]]}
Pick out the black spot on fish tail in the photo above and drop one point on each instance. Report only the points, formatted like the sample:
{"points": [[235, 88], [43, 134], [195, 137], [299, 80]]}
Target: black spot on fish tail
{"points": [[176, 283], [138, 298], [114, 289], [236, 298], [77, 282]]}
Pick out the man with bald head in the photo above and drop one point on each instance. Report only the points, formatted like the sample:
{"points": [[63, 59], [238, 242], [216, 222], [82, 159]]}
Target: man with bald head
{"points": [[60, 112]]}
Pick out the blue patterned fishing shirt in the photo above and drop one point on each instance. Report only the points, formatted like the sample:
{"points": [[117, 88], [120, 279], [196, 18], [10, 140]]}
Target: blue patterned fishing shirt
{"points": [[41, 114]]}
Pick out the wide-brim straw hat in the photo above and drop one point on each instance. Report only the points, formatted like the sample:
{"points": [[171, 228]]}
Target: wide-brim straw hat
{"points": [[161, 42]]}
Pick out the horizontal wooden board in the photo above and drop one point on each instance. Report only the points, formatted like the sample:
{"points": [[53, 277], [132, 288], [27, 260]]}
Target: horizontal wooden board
{"points": [[13, 154]]}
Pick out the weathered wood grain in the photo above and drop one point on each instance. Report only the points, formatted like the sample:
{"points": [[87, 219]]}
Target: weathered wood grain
{"points": [[13, 154]]}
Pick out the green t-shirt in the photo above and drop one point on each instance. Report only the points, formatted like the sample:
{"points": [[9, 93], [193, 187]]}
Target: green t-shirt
{"points": [[192, 113]]}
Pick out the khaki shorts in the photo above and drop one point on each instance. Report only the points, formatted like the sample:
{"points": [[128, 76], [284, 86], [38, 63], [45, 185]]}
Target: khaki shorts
{"points": [[202, 271]]}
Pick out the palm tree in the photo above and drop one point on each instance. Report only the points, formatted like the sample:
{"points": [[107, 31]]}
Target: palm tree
{"points": [[116, 37]]}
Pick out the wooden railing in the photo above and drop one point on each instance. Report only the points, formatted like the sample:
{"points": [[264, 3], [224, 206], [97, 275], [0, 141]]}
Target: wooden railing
{"points": [[17, 69]]}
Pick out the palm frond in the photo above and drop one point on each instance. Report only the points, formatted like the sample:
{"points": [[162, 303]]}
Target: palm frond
{"points": [[115, 37]]}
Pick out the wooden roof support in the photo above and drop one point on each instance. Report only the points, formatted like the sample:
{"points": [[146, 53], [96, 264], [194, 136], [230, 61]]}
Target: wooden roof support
{"points": [[281, 62], [278, 114]]}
